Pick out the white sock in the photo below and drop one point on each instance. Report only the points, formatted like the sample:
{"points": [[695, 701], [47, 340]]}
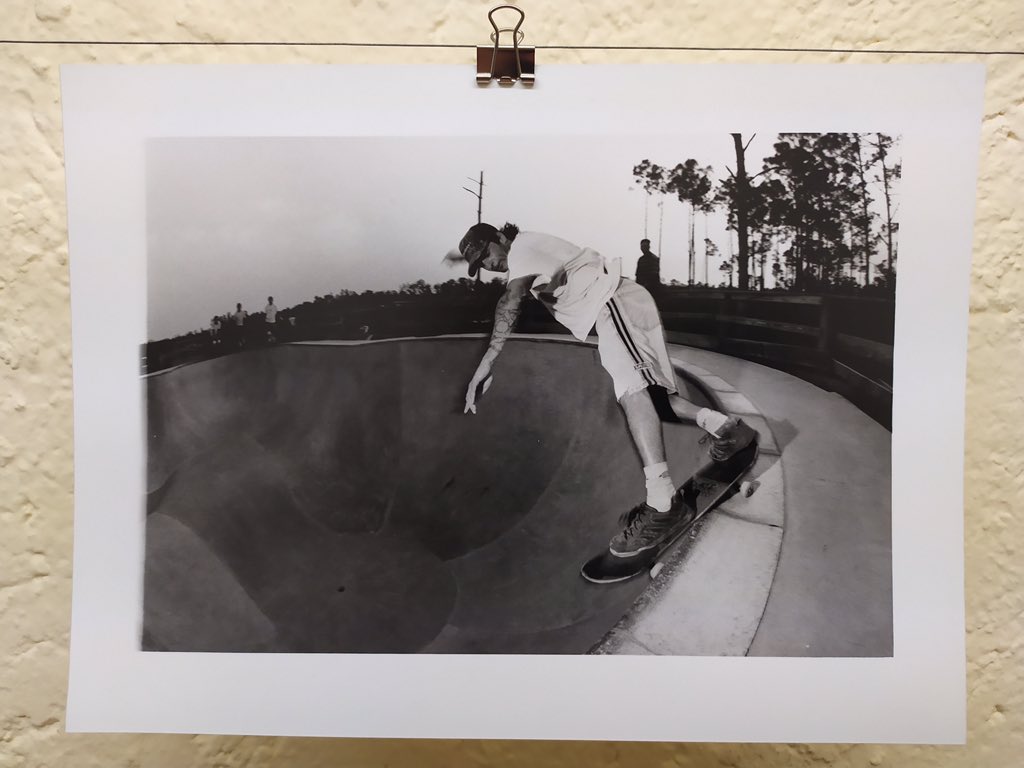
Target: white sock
{"points": [[711, 421], [659, 486]]}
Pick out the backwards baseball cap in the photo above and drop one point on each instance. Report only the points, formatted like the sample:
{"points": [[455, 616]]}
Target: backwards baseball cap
{"points": [[474, 244]]}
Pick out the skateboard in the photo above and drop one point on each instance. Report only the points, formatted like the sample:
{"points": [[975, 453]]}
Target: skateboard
{"points": [[709, 486]]}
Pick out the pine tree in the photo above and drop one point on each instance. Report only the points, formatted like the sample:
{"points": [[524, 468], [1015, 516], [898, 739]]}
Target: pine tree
{"points": [[741, 204], [889, 173], [652, 178], [692, 186]]}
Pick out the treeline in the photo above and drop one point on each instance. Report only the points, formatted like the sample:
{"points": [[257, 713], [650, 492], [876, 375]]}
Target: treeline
{"points": [[346, 306], [344, 313], [414, 309], [819, 215]]}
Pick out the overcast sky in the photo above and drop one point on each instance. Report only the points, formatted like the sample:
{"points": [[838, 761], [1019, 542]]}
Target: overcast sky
{"points": [[236, 220]]}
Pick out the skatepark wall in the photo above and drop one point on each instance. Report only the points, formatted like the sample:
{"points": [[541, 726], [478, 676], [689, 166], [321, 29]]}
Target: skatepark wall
{"points": [[36, 460]]}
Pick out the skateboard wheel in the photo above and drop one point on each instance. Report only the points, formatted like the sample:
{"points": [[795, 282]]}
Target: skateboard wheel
{"points": [[656, 569], [747, 488]]}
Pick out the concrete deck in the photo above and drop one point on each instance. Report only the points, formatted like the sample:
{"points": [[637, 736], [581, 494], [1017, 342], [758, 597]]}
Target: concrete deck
{"points": [[832, 591]]}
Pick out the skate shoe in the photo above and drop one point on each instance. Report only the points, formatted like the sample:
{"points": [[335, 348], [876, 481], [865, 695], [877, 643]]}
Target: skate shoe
{"points": [[732, 437], [645, 528]]}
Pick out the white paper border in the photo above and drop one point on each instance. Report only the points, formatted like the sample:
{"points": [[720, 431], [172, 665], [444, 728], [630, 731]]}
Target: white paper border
{"points": [[916, 696]]}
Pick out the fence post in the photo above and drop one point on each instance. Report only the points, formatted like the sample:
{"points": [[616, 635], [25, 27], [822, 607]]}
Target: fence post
{"points": [[724, 309], [826, 333]]}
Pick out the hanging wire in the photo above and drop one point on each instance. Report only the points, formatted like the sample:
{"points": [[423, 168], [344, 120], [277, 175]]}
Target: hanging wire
{"points": [[684, 48]]}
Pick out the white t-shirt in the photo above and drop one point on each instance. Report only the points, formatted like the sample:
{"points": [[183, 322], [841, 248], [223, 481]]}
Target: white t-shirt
{"points": [[270, 313], [572, 282]]}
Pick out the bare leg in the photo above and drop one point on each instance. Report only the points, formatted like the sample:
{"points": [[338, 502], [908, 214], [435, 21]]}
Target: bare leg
{"points": [[730, 434], [662, 507], [683, 408], [644, 426]]}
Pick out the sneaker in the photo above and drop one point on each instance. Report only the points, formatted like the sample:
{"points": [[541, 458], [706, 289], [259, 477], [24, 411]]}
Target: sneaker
{"points": [[645, 527], [733, 436]]}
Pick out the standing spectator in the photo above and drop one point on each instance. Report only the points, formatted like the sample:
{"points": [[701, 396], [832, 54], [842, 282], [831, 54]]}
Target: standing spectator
{"points": [[270, 319], [215, 331], [648, 268], [239, 326]]}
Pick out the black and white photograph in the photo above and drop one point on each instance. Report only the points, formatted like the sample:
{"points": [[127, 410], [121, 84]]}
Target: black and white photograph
{"points": [[407, 407], [521, 395]]}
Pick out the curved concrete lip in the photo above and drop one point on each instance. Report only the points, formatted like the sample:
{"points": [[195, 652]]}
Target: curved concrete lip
{"points": [[708, 600]]}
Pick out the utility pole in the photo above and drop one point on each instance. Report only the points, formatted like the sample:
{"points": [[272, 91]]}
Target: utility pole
{"points": [[479, 195]]}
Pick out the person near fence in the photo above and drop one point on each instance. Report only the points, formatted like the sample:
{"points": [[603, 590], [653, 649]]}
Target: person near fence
{"points": [[582, 290], [648, 268]]}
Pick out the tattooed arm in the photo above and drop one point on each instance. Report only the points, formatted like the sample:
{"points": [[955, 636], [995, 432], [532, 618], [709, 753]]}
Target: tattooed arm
{"points": [[505, 316]]}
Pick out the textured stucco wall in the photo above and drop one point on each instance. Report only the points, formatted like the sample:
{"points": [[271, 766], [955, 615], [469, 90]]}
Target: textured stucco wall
{"points": [[35, 339]]}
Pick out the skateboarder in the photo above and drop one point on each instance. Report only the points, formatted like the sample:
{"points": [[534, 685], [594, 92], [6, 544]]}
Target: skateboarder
{"points": [[582, 289]]}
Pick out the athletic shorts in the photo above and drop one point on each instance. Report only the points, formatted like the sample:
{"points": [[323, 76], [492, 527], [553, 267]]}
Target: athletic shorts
{"points": [[631, 341]]}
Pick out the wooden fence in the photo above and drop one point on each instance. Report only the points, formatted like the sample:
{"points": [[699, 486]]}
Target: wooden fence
{"points": [[841, 343]]}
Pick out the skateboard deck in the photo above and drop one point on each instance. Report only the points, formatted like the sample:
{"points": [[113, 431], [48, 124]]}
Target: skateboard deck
{"points": [[709, 486]]}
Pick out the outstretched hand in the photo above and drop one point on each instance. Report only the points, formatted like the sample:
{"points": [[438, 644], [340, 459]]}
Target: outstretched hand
{"points": [[479, 384]]}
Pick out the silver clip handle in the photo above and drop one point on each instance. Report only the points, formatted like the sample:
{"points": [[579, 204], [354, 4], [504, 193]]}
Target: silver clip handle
{"points": [[506, 64], [517, 37]]}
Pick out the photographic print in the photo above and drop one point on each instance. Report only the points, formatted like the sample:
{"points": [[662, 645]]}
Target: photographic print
{"points": [[410, 408], [402, 391]]}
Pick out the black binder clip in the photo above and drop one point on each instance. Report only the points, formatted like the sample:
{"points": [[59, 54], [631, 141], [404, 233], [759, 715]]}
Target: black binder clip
{"points": [[504, 64]]}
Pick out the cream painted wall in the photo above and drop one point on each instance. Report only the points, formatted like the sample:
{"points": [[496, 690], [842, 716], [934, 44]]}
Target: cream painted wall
{"points": [[36, 468]]}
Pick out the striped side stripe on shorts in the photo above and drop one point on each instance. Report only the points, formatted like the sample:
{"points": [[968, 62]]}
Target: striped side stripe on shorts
{"points": [[634, 352]]}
